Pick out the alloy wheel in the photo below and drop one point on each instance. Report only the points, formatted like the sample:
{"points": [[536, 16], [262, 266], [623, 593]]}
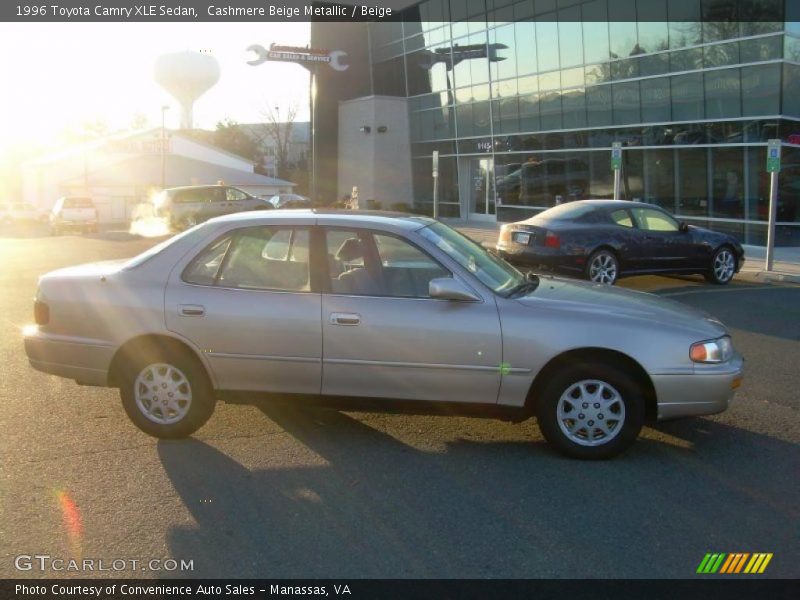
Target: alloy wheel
{"points": [[724, 265], [603, 269]]}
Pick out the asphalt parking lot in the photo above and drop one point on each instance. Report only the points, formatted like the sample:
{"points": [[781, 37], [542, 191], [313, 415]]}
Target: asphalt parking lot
{"points": [[275, 491]]}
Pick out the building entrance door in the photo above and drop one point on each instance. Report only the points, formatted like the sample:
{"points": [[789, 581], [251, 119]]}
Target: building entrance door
{"points": [[478, 184]]}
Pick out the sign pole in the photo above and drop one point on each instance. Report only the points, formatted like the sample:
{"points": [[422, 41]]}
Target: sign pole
{"points": [[435, 184], [616, 165], [773, 167], [313, 97]]}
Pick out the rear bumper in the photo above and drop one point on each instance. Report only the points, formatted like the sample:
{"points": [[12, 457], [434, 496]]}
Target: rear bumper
{"points": [[708, 391], [526, 255], [86, 361]]}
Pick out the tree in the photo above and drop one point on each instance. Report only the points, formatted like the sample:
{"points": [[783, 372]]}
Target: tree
{"points": [[232, 137], [138, 121], [280, 133]]}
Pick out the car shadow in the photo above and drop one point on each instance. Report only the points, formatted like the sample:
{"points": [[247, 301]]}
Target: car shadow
{"points": [[351, 500]]}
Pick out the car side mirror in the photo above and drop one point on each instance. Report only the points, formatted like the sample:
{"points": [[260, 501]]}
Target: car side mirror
{"points": [[448, 288], [683, 227]]}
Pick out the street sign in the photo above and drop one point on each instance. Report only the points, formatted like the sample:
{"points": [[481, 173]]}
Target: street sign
{"points": [[306, 57], [616, 156], [435, 163], [773, 156]]}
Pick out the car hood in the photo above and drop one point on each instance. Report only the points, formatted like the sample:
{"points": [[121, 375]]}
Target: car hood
{"points": [[96, 269], [594, 298]]}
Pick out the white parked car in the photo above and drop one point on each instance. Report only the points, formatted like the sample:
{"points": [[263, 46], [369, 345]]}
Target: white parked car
{"points": [[19, 212], [73, 213]]}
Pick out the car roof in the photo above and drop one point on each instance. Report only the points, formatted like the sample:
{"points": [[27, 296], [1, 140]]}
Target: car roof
{"points": [[614, 203], [330, 217], [196, 187]]}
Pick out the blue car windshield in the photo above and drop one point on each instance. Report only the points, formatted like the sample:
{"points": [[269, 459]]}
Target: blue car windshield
{"points": [[493, 272]]}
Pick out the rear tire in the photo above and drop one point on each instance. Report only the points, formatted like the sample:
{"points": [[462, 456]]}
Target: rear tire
{"points": [[591, 412], [722, 267], [602, 267], [167, 394]]}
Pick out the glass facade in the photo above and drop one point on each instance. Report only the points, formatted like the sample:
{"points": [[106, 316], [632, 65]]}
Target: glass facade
{"points": [[531, 94]]}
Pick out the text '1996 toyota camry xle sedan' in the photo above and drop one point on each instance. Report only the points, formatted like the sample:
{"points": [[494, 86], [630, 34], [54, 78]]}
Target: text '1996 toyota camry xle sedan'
{"points": [[375, 311]]}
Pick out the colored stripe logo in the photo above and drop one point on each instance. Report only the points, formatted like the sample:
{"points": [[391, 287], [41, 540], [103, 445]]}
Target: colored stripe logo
{"points": [[735, 562]]}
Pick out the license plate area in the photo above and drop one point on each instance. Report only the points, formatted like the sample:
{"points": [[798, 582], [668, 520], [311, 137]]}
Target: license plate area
{"points": [[521, 238]]}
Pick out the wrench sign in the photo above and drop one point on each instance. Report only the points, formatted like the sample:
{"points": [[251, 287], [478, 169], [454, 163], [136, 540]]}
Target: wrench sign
{"points": [[333, 58]]}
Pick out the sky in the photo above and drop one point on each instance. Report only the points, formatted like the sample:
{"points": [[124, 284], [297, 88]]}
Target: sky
{"points": [[56, 76]]}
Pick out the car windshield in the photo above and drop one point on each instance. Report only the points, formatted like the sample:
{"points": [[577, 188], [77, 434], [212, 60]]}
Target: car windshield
{"points": [[493, 272]]}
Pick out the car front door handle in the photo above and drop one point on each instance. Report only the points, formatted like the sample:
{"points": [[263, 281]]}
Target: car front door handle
{"points": [[345, 319], [191, 310]]}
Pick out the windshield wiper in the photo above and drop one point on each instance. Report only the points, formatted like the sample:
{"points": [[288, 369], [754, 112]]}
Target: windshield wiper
{"points": [[530, 283]]}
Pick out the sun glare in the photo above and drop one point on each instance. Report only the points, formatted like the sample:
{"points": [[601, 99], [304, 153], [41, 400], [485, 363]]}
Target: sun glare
{"points": [[60, 78]]}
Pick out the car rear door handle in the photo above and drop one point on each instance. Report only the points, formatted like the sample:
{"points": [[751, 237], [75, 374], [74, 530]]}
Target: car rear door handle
{"points": [[191, 310], [345, 319]]}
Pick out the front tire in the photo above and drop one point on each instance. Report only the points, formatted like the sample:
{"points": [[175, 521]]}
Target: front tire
{"points": [[591, 411], [167, 395], [722, 267], [602, 267]]}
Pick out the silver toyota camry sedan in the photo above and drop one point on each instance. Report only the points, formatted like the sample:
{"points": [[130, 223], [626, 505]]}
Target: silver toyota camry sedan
{"points": [[375, 311]]}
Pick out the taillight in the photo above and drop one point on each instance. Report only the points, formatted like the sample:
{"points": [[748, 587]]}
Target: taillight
{"points": [[505, 234], [551, 240], [41, 312]]}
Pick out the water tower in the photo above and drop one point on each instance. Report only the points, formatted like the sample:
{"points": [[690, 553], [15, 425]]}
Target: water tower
{"points": [[186, 76]]}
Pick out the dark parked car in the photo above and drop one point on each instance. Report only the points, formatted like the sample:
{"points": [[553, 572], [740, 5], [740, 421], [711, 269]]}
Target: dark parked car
{"points": [[606, 239]]}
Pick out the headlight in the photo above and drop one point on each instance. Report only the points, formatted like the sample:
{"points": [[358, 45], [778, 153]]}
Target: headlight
{"points": [[712, 351]]}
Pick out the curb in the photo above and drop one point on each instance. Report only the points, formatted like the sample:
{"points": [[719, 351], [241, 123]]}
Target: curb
{"points": [[772, 276]]}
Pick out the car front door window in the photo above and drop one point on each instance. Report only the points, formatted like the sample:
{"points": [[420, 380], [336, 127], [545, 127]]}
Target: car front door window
{"points": [[406, 270], [654, 220]]}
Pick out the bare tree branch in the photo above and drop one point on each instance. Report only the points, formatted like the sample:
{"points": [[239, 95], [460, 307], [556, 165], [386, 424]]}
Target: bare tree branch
{"points": [[279, 129]]}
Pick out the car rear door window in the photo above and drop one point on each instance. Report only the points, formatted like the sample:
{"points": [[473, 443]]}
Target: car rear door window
{"points": [[216, 194], [269, 258], [204, 268], [189, 196], [622, 218]]}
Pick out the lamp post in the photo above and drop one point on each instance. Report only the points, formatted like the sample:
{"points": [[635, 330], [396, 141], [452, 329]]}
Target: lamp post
{"points": [[164, 110]]}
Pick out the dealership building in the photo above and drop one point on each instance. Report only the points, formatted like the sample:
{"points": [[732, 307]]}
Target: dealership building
{"points": [[523, 101], [120, 172]]}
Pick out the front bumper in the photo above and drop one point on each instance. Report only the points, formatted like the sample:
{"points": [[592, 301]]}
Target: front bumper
{"points": [[85, 361], [707, 391]]}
